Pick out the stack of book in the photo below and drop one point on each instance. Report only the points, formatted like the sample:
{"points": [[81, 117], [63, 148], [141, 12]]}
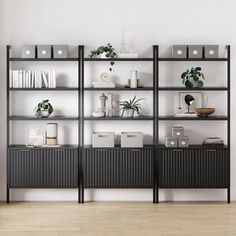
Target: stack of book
{"points": [[101, 84], [213, 141], [32, 79]]}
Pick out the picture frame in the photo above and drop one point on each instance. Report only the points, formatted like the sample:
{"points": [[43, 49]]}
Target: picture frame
{"points": [[36, 136], [198, 97]]}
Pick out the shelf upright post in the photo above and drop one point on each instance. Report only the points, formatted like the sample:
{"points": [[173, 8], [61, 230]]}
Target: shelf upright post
{"points": [[81, 122], [155, 122], [7, 116], [228, 121]]}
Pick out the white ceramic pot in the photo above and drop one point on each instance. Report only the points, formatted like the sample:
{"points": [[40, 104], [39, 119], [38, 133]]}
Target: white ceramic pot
{"points": [[103, 55], [45, 114], [128, 113]]}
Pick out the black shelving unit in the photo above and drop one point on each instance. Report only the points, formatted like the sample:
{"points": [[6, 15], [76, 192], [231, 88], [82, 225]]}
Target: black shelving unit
{"points": [[40, 167], [153, 166], [195, 166]]}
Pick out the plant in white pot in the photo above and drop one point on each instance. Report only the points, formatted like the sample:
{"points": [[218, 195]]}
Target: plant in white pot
{"points": [[193, 78], [129, 107], [44, 109], [107, 52]]}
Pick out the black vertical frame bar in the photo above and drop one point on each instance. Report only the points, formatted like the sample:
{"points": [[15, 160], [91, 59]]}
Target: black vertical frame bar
{"points": [[229, 120], [155, 122], [7, 119], [81, 123]]}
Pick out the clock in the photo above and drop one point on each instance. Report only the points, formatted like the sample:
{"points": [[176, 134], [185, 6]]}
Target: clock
{"points": [[105, 77]]}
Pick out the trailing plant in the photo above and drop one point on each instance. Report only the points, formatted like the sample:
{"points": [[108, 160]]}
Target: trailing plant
{"points": [[109, 53], [45, 105], [131, 104], [192, 78]]}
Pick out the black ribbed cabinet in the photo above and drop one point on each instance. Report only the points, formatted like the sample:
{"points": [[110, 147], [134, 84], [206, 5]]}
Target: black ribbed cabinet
{"points": [[194, 167], [153, 166], [42, 168], [118, 168]]}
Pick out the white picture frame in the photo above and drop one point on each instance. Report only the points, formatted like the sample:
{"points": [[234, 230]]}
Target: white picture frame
{"points": [[36, 136], [198, 97]]}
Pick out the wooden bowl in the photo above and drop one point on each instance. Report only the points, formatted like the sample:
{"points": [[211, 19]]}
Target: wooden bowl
{"points": [[205, 112]]}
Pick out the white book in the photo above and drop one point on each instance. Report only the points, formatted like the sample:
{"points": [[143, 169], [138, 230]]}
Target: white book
{"points": [[20, 79], [186, 115], [54, 79], [23, 76], [15, 79], [10, 78], [49, 79], [29, 81], [26, 79], [33, 79], [45, 79]]}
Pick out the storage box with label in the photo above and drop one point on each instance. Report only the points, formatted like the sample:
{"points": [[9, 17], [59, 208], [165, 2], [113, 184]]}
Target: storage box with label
{"points": [[179, 51], [44, 51], [60, 51], [103, 139], [131, 139], [28, 51], [177, 131], [171, 142], [195, 51], [211, 51]]}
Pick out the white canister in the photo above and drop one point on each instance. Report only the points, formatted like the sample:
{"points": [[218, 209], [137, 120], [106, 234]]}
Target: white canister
{"points": [[51, 130], [134, 79]]}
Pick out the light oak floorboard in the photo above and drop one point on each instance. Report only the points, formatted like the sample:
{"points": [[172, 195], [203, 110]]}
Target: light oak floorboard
{"points": [[117, 218]]}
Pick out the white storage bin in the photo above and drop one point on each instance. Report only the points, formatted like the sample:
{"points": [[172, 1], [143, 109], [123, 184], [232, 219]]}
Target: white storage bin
{"points": [[179, 51], [103, 139], [60, 51], [44, 51], [131, 139], [171, 142], [177, 132], [28, 51]]}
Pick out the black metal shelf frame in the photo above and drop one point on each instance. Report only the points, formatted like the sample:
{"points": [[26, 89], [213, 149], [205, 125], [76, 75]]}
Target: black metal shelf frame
{"points": [[156, 118]]}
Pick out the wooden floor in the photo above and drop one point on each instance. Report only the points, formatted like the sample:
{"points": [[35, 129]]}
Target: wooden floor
{"points": [[117, 218]]}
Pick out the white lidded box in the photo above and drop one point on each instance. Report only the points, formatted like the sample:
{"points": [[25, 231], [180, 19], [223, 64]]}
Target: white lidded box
{"points": [[177, 132], [44, 51], [171, 142], [179, 51], [211, 51], [103, 139], [195, 51], [60, 51], [183, 142], [28, 51], [131, 139]]}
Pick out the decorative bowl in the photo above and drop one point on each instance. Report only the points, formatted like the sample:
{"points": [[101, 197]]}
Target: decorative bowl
{"points": [[205, 112]]}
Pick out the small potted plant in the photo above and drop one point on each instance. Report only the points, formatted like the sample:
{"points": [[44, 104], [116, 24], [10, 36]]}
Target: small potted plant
{"points": [[44, 109], [193, 78], [104, 52], [129, 107]]}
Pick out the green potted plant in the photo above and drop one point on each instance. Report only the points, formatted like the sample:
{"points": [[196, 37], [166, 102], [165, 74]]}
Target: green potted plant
{"points": [[129, 107], [193, 78], [44, 109], [104, 52]]}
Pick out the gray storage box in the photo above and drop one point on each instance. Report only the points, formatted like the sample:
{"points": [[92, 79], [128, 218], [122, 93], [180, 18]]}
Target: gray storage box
{"points": [[211, 51], [44, 51], [183, 142], [195, 51], [28, 51], [179, 51], [103, 139], [131, 139], [171, 142], [60, 51], [177, 132]]}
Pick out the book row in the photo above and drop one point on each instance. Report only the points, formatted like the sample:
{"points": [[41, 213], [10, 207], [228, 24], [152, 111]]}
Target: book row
{"points": [[32, 79]]}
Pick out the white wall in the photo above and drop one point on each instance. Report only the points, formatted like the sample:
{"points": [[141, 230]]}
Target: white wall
{"points": [[94, 23]]}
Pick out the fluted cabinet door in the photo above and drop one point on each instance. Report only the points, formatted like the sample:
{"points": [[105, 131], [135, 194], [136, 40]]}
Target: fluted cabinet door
{"points": [[118, 168], [212, 168], [176, 168], [42, 168]]}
